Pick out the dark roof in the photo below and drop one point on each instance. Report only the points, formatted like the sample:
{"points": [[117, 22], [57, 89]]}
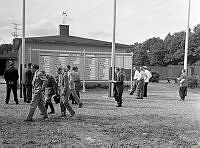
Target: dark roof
{"points": [[72, 40]]}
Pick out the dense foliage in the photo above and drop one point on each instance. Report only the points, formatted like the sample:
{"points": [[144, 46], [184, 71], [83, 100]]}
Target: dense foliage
{"points": [[170, 51], [5, 48]]}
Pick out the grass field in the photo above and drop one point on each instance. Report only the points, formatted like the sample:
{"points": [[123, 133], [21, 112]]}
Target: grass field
{"points": [[157, 121]]}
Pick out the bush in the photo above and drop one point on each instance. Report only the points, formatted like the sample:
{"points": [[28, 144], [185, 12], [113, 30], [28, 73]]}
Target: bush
{"points": [[155, 77], [193, 82]]}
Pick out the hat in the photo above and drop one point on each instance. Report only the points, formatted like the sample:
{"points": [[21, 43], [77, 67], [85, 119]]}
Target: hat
{"points": [[144, 67]]}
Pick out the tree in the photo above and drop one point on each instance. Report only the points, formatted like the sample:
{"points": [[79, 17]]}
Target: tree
{"points": [[194, 45], [5, 48], [140, 56], [155, 51], [174, 47]]}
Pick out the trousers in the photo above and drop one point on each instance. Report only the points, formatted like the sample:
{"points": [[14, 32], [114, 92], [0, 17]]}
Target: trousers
{"points": [[38, 101]]}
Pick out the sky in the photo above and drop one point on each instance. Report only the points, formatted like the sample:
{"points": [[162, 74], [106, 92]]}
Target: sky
{"points": [[136, 20]]}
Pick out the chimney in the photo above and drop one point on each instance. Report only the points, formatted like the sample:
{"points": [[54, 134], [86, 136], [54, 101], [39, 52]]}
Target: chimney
{"points": [[64, 30]]}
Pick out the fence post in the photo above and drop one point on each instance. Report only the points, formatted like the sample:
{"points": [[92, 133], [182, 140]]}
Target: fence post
{"points": [[131, 71], [84, 67]]}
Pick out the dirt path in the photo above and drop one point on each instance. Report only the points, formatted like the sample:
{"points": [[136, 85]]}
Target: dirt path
{"points": [[159, 120]]}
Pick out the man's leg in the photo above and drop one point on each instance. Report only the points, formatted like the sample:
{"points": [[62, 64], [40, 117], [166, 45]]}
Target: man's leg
{"points": [[134, 87], [33, 106], [142, 90], [42, 107], [14, 90], [8, 90], [29, 93], [24, 93], [52, 108], [145, 89], [182, 93], [119, 102], [76, 98], [67, 105]]}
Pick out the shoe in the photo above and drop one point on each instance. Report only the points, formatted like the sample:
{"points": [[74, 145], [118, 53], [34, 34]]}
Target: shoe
{"points": [[17, 103], [41, 114], [81, 105], [131, 93], [51, 113], [119, 106], [72, 114], [28, 120], [45, 117]]}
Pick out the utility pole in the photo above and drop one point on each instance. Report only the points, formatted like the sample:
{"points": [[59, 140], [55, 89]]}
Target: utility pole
{"points": [[187, 36], [15, 29], [113, 46], [22, 55]]}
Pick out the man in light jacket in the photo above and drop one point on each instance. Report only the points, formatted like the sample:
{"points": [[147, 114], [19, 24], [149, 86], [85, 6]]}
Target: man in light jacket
{"points": [[146, 81], [136, 76]]}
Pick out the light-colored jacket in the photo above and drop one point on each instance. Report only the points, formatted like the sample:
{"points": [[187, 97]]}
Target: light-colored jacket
{"points": [[148, 74], [72, 77], [136, 75], [39, 81], [65, 84], [142, 76]]}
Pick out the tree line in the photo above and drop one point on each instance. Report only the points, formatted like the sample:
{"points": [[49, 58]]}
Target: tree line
{"points": [[170, 51]]}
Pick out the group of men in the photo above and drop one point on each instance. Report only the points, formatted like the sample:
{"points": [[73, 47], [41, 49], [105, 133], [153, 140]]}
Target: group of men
{"points": [[64, 85], [39, 88], [140, 81]]}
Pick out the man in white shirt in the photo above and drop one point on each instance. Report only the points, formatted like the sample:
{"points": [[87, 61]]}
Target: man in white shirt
{"points": [[148, 74], [140, 85], [136, 76]]}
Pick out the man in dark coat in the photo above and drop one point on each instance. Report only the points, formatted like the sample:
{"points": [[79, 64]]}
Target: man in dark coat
{"points": [[50, 90], [11, 76], [28, 82], [119, 84]]}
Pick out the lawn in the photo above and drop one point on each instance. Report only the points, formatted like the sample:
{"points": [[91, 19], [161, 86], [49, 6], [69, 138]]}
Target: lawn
{"points": [[157, 121]]}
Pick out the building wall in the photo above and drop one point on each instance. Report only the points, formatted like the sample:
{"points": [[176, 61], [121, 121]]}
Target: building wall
{"points": [[97, 61]]}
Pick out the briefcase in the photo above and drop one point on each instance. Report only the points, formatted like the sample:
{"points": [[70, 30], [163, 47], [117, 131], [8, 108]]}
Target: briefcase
{"points": [[56, 98]]}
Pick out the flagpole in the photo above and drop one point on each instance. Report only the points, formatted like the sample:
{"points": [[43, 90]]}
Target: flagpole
{"points": [[22, 63], [113, 45], [187, 36]]}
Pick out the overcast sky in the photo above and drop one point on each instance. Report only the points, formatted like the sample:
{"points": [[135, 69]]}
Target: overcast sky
{"points": [[137, 20]]}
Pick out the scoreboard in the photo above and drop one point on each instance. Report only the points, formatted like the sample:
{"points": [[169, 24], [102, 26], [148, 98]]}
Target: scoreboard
{"points": [[92, 66]]}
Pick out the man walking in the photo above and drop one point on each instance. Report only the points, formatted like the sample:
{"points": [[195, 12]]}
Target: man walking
{"points": [[77, 82], [50, 90], [38, 82], [64, 94], [72, 77], [11, 76], [136, 76], [119, 86], [146, 81], [183, 84], [28, 77]]}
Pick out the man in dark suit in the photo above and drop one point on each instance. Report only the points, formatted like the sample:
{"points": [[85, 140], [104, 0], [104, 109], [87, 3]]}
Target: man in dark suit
{"points": [[28, 83], [11, 76], [119, 84]]}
